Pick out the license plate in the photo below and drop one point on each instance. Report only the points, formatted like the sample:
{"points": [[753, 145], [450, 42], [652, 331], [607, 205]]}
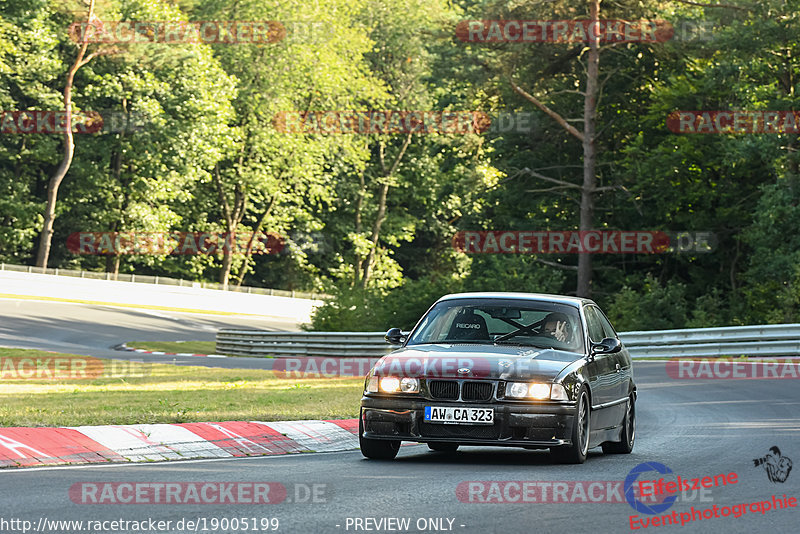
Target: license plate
{"points": [[455, 415]]}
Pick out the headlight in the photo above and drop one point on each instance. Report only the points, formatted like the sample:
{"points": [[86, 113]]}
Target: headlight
{"points": [[539, 391], [372, 384], [392, 384], [409, 385], [535, 390], [517, 389]]}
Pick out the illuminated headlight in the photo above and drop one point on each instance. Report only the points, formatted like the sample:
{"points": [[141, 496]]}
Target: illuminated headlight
{"points": [[392, 384], [539, 391], [521, 390]]}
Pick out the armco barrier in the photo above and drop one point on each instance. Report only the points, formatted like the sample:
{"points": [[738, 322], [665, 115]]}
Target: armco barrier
{"points": [[294, 344], [761, 340]]}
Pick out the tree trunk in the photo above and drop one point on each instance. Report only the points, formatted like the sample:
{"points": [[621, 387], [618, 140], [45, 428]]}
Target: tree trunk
{"points": [[46, 237], [376, 232], [256, 229], [113, 261], [232, 220], [584, 288], [387, 172], [359, 203]]}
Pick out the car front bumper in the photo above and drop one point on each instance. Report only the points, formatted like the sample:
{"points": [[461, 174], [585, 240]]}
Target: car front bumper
{"points": [[515, 424]]}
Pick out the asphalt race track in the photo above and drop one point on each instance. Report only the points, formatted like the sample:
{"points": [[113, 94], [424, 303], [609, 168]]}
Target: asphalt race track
{"points": [[696, 428], [93, 330]]}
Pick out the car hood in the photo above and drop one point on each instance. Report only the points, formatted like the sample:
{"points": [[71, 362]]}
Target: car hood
{"points": [[487, 362]]}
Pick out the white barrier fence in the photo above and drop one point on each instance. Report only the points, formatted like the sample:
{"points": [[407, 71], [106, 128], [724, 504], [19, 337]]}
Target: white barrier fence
{"points": [[158, 280], [762, 340], [289, 312]]}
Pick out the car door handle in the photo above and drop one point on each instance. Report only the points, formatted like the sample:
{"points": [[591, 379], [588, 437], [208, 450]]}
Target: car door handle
{"points": [[618, 368]]}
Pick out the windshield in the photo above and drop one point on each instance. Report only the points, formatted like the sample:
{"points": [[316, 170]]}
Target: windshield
{"points": [[495, 322]]}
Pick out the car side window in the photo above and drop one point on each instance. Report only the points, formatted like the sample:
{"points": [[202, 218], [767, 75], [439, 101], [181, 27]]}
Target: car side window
{"points": [[608, 330], [593, 324]]}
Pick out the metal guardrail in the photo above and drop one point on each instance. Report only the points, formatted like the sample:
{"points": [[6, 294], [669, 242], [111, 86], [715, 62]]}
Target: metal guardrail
{"points": [[294, 344], [763, 340], [757, 340], [161, 280]]}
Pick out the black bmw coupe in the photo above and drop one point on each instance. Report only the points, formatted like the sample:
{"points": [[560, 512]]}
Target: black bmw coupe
{"points": [[508, 369]]}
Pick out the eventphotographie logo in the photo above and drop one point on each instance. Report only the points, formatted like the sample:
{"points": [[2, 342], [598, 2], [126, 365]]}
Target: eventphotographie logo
{"points": [[777, 466]]}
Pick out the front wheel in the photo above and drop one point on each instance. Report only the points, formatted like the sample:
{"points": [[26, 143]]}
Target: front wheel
{"points": [[628, 434], [576, 453]]}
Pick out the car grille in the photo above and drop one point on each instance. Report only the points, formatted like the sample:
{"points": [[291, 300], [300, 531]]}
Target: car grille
{"points": [[477, 391], [443, 389], [428, 430]]}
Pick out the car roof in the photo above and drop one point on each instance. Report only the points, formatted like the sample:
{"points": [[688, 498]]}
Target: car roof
{"points": [[539, 297]]}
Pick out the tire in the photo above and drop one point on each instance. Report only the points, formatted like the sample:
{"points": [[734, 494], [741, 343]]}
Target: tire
{"points": [[377, 449], [443, 447], [581, 428], [628, 435]]}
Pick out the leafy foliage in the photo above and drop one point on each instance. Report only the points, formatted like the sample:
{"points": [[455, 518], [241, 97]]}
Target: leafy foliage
{"points": [[370, 217]]}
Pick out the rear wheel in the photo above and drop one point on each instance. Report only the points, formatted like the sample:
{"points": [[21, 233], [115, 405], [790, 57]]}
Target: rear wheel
{"points": [[576, 453], [628, 435], [377, 449], [443, 447]]}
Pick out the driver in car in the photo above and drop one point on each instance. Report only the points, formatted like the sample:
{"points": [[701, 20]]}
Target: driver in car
{"points": [[556, 326]]}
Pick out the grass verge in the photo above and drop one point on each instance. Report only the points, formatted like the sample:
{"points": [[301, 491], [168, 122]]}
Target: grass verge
{"points": [[115, 392], [195, 347]]}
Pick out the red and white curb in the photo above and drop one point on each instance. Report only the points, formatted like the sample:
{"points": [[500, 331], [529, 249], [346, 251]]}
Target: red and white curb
{"points": [[30, 447], [159, 353]]}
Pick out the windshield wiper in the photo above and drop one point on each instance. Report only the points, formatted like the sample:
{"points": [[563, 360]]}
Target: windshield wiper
{"points": [[506, 342], [462, 341]]}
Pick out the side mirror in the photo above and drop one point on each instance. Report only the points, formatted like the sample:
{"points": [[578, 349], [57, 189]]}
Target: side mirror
{"points": [[609, 345], [395, 336]]}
